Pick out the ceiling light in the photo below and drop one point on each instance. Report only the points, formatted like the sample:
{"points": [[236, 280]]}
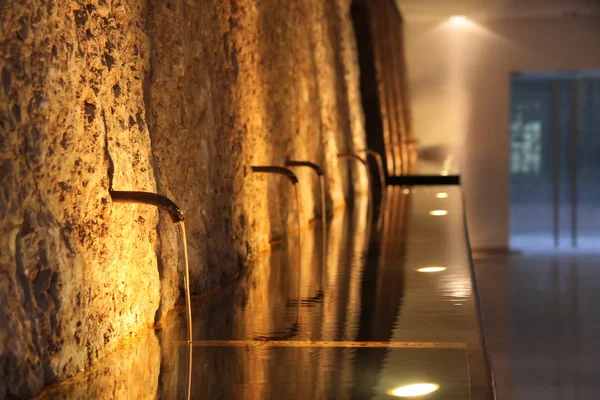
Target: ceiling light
{"points": [[458, 21], [442, 195], [438, 213], [416, 390]]}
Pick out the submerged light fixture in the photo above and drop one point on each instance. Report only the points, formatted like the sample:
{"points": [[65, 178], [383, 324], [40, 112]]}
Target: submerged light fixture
{"points": [[414, 390], [431, 269]]}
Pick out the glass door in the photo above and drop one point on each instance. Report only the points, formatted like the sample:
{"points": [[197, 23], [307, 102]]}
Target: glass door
{"points": [[587, 173], [555, 161], [531, 163]]}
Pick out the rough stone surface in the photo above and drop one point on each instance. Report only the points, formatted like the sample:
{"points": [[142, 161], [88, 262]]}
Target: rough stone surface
{"points": [[183, 96], [132, 371]]}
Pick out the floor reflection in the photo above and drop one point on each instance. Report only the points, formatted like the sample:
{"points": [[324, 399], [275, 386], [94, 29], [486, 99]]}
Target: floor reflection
{"points": [[543, 321], [357, 320]]}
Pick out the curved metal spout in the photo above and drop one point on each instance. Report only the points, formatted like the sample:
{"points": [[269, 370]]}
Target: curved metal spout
{"points": [[277, 170], [382, 183], [353, 156], [379, 161], [149, 198], [321, 175], [315, 167], [269, 169]]}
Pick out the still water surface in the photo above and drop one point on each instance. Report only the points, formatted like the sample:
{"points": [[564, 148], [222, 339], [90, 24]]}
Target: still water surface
{"points": [[367, 320]]}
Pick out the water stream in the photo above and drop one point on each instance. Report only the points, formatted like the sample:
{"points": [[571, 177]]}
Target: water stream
{"points": [[324, 221], [299, 253], [188, 302], [186, 277]]}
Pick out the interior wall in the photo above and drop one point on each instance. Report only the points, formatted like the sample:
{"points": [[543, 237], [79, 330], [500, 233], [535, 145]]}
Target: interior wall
{"points": [[183, 98], [460, 84]]}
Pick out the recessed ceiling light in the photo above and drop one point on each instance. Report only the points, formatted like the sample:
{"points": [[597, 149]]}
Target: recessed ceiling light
{"points": [[415, 390], [458, 21], [442, 195]]}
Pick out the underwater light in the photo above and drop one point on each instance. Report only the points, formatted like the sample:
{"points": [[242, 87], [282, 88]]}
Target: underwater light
{"points": [[415, 390]]}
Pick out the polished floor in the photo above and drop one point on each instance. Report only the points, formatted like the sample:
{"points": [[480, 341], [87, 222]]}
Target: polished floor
{"points": [[389, 305], [543, 321]]}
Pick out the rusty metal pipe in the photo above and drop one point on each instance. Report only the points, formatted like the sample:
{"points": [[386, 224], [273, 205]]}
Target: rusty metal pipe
{"points": [[379, 161], [276, 170], [149, 198], [354, 156], [293, 163]]}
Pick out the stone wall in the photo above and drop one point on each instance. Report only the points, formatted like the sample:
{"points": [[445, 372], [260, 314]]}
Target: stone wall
{"points": [[182, 97]]}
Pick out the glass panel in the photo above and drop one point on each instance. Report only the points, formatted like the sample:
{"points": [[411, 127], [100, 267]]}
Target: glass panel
{"points": [[555, 168], [531, 164], [565, 161], [588, 171]]}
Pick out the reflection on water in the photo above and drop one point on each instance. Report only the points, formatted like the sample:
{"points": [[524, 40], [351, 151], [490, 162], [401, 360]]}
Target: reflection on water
{"points": [[132, 372], [356, 322], [182, 238]]}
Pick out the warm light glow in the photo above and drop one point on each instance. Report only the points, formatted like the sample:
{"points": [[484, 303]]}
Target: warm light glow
{"points": [[442, 195], [432, 269], [406, 191], [444, 173], [438, 213], [458, 21], [418, 389]]}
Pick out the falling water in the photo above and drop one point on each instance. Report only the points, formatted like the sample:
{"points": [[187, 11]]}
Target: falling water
{"points": [[186, 277], [324, 220], [189, 372], [370, 206], [323, 212], [299, 252], [188, 302], [381, 173]]}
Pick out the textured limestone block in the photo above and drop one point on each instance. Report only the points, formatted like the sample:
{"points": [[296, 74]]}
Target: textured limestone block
{"points": [[76, 273], [182, 97], [131, 372]]}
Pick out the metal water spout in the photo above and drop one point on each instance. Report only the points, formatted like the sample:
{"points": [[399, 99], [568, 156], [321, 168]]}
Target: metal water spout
{"points": [[354, 156], [321, 175], [271, 169], [152, 199], [178, 219], [381, 172]]}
